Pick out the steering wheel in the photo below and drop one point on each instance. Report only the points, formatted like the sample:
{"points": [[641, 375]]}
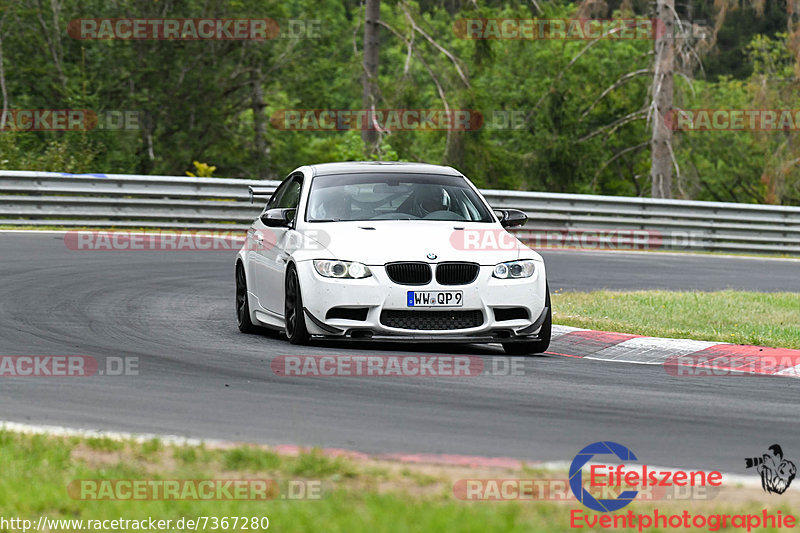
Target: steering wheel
{"points": [[443, 215]]}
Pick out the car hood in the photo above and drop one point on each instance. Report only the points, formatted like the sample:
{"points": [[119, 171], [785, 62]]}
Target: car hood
{"points": [[383, 241]]}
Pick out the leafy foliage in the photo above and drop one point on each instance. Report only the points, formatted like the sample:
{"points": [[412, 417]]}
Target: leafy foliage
{"points": [[545, 124]]}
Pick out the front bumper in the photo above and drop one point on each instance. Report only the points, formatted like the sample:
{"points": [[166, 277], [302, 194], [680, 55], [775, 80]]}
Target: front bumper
{"points": [[378, 293]]}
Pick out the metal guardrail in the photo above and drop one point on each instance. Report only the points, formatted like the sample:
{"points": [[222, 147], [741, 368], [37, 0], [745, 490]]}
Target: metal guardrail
{"points": [[555, 220], [120, 200]]}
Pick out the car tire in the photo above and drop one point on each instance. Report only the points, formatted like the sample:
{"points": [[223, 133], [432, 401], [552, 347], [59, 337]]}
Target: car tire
{"points": [[534, 347], [243, 302], [294, 316]]}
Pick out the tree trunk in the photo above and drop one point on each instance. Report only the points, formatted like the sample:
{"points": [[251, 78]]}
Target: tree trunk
{"points": [[454, 149], [793, 27], [370, 76], [3, 88], [661, 149], [257, 104]]}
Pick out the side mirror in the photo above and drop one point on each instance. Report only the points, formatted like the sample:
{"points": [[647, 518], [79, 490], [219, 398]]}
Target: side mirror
{"points": [[511, 217], [278, 218]]}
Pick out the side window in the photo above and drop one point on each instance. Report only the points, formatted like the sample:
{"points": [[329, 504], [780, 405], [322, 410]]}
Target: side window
{"points": [[291, 196], [287, 195], [279, 192]]}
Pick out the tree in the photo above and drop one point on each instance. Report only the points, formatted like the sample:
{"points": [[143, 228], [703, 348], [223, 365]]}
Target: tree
{"points": [[662, 155], [372, 43]]}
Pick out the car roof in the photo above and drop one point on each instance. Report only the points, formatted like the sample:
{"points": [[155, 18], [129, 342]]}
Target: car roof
{"points": [[354, 167]]}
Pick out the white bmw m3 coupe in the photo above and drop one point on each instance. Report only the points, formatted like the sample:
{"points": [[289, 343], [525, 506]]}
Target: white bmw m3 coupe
{"points": [[392, 252]]}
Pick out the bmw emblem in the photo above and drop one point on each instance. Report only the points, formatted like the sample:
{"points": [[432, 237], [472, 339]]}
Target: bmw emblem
{"points": [[431, 256]]}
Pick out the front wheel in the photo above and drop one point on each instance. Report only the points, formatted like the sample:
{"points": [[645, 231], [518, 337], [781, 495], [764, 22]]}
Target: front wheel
{"points": [[540, 346], [293, 314], [242, 302]]}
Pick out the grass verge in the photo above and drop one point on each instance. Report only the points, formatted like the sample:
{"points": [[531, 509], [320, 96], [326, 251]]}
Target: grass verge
{"points": [[739, 317], [365, 495]]}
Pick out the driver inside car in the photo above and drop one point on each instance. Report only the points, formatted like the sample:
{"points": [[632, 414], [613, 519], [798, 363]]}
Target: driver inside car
{"points": [[331, 205], [430, 199]]}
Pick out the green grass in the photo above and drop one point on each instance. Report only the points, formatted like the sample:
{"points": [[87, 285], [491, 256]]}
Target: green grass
{"points": [[104, 444], [764, 319], [250, 458], [316, 465], [36, 471], [358, 497]]}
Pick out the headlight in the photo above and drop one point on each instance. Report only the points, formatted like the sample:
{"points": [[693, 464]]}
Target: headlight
{"points": [[331, 268], [514, 269]]}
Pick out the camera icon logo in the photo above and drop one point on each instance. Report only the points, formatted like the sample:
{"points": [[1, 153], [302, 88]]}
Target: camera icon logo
{"points": [[604, 505], [776, 472]]}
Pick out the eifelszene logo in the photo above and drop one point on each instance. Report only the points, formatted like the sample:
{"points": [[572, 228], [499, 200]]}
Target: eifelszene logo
{"points": [[618, 477], [776, 472]]}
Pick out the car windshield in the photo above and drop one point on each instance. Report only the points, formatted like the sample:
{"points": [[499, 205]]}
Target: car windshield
{"points": [[382, 196]]}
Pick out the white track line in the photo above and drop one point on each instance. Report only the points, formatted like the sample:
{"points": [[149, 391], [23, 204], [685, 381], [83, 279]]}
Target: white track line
{"points": [[650, 350], [61, 431]]}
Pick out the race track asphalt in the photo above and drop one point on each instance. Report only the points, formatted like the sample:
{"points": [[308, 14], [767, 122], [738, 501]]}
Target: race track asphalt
{"points": [[200, 377]]}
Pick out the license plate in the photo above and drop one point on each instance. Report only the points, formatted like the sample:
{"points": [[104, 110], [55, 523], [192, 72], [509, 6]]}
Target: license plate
{"points": [[435, 299]]}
